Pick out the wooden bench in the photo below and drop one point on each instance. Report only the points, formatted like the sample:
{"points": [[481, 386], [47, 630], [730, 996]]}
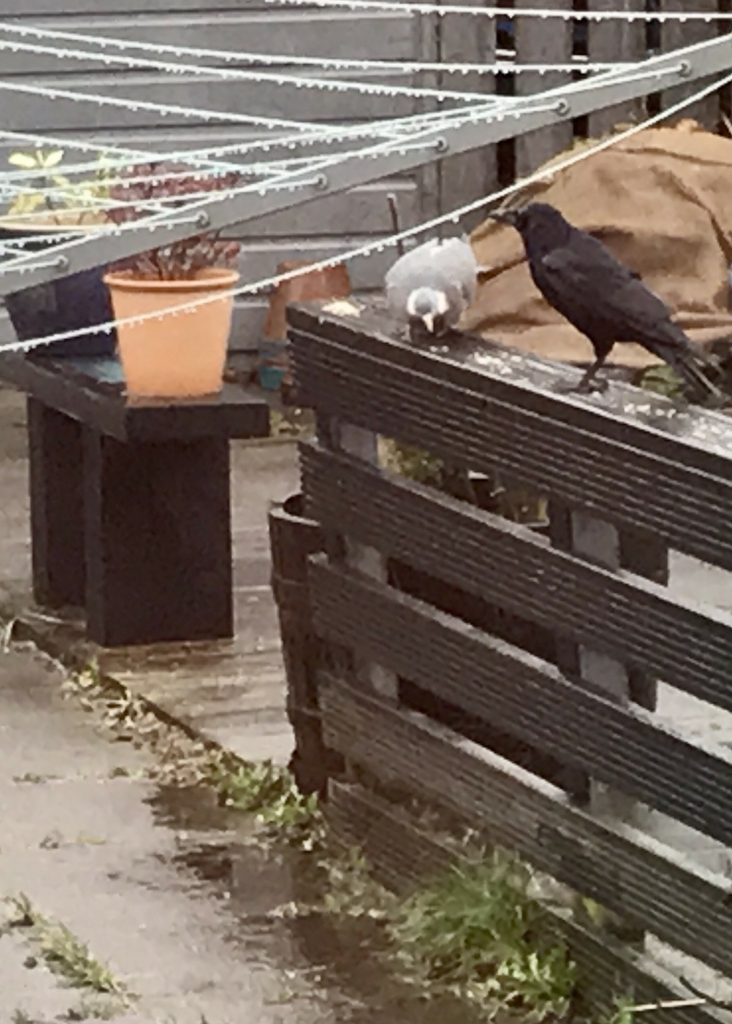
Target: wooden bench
{"points": [[130, 502]]}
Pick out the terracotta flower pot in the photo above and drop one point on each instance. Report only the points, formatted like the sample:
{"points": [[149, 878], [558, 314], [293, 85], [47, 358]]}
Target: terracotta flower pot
{"points": [[327, 283], [180, 356]]}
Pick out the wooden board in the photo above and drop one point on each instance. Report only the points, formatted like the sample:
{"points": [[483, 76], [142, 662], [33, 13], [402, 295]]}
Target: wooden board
{"points": [[625, 870], [627, 618], [404, 855], [650, 469], [500, 684], [270, 31], [541, 42]]}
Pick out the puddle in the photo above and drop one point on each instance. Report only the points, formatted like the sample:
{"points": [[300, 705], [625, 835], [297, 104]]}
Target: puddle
{"points": [[335, 961]]}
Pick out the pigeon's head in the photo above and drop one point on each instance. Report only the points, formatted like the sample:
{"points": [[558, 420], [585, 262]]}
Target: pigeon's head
{"points": [[428, 305], [536, 221]]}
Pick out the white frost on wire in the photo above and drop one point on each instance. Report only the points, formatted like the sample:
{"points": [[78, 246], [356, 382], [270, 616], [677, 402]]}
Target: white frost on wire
{"points": [[501, 12], [288, 178], [292, 180], [279, 177], [322, 134], [164, 109], [238, 75], [378, 246], [336, 63]]}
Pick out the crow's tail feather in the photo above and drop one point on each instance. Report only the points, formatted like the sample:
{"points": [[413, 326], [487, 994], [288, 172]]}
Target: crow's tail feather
{"points": [[697, 368]]}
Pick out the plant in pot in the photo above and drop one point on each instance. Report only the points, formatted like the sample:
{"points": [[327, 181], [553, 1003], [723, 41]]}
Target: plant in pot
{"points": [[47, 204], [169, 356]]}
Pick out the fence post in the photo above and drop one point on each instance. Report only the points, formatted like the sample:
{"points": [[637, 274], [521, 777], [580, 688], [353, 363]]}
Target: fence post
{"points": [[620, 41], [542, 41], [293, 538], [363, 444], [602, 543], [464, 39], [675, 34]]}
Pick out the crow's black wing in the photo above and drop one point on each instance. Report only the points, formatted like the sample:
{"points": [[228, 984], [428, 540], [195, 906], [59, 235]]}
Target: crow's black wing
{"points": [[595, 290], [608, 302]]}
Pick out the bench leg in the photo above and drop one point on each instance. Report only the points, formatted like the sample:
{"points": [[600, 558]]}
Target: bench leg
{"points": [[158, 541], [56, 506]]}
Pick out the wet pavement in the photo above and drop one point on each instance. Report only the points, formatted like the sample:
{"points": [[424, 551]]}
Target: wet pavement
{"points": [[167, 889]]}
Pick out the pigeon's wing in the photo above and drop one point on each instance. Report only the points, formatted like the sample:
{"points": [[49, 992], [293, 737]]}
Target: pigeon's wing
{"points": [[590, 286], [456, 254], [456, 265], [396, 298], [448, 265]]}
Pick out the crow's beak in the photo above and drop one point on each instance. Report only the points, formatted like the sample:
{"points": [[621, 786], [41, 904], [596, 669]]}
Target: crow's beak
{"points": [[429, 321], [504, 217]]}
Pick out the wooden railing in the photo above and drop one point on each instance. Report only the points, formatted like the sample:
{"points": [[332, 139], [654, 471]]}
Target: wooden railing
{"points": [[551, 686]]}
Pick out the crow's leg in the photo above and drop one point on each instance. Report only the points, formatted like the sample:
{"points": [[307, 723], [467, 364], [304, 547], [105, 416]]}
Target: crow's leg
{"points": [[588, 383]]}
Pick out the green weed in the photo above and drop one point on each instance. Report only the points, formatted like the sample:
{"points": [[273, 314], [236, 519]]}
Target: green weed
{"points": [[476, 932], [63, 953]]}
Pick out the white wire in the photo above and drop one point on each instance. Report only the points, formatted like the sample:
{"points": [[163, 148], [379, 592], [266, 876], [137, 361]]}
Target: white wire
{"points": [[453, 217], [307, 134], [337, 63], [285, 175], [131, 156], [443, 119], [8, 178], [70, 143], [323, 133], [502, 12], [24, 263], [289, 180], [165, 109], [232, 74]]}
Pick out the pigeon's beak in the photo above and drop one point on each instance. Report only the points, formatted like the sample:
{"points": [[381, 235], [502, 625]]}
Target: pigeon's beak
{"points": [[504, 217], [429, 321]]}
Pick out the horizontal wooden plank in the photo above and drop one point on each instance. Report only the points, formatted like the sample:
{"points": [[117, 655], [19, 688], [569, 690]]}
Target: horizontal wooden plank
{"points": [[619, 867], [363, 211], [402, 855], [163, 139], [35, 8], [627, 748], [639, 470], [628, 618], [384, 36], [259, 258], [395, 859], [24, 112]]}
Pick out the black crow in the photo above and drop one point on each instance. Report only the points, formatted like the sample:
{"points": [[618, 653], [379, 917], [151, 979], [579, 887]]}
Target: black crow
{"points": [[601, 297]]}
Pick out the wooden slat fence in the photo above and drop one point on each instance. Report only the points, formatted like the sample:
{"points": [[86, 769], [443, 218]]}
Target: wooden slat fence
{"points": [[564, 763]]}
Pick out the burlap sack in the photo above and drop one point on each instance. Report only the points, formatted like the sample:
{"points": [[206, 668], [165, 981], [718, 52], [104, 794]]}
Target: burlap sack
{"points": [[662, 203]]}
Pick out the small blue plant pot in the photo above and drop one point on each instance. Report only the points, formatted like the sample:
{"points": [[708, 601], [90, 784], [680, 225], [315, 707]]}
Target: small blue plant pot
{"points": [[271, 372]]}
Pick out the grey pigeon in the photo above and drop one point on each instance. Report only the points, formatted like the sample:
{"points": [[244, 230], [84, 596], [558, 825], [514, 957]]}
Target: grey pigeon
{"points": [[430, 287]]}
